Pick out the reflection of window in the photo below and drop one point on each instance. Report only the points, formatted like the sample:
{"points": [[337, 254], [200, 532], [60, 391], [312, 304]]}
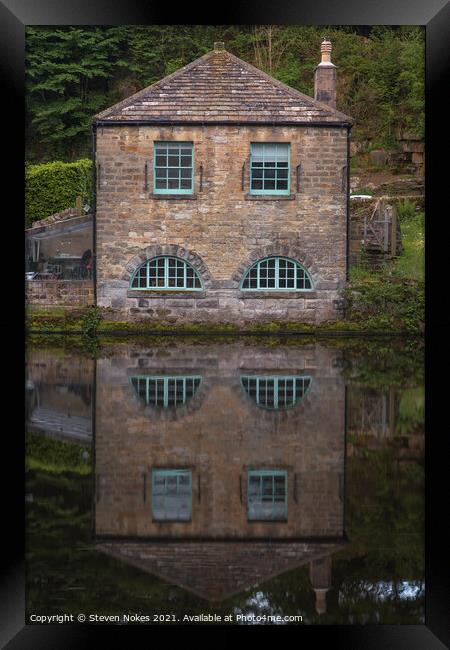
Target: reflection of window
{"points": [[163, 273], [276, 273], [174, 168], [267, 495], [172, 494], [269, 168], [276, 392], [165, 391]]}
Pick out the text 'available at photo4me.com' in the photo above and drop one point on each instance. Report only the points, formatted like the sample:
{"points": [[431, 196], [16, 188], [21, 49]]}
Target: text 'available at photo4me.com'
{"points": [[149, 619]]}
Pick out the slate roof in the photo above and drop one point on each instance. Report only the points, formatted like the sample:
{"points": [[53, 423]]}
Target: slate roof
{"points": [[220, 87]]}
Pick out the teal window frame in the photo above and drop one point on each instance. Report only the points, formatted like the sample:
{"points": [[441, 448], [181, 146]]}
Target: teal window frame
{"points": [[255, 502], [260, 274], [172, 490], [262, 388], [158, 147], [164, 271], [270, 164], [165, 391]]}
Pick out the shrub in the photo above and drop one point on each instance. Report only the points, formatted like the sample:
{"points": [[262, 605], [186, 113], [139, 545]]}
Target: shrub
{"points": [[386, 302], [91, 321], [53, 187], [406, 210]]}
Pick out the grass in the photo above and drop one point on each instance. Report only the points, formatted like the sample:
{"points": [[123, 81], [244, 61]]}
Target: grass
{"points": [[411, 263]]}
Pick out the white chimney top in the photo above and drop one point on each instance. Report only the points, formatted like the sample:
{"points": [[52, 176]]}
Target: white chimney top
{"points": [[325, 49]]}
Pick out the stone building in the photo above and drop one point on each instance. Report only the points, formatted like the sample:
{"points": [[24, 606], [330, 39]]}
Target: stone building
{"points": [[222, 196]]}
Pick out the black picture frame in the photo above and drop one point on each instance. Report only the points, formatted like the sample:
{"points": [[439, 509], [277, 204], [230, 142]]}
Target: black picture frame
{"points": [[435, 16]]}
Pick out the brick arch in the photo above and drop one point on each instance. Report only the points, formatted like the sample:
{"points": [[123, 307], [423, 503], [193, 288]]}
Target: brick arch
{"points": [[173, 250], [279, 250]]}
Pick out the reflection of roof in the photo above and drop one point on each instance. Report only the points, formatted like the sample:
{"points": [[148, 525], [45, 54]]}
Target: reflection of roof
{"points": [[77, 427], [220, 87], [213, 570]]}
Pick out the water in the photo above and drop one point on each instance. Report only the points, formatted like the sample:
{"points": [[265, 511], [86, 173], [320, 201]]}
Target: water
{"points": [[226, 478]]}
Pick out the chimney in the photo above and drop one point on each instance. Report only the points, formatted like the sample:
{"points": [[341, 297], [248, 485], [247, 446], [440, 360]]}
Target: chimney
{"points": [[325, 77]]}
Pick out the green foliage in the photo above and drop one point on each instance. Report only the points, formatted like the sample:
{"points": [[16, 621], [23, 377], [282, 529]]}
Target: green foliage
{"points": [[52, 187], [412, 411], [383, 301], [74, 72], [68, 72], [384, 363], [406, 210], [55, 456], [91, 321], [411, 262]]}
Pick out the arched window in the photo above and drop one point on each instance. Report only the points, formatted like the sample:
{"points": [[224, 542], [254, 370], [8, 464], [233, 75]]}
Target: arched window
{"points": [[165, 392], [276, 392], [166, 273], [276, 273]]}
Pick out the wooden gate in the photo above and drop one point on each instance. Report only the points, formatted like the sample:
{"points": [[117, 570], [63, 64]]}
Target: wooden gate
{"points": [[382, 235]]}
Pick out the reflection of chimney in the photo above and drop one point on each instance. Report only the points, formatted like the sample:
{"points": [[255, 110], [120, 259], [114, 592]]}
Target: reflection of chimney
{"points": [[321, 601], [325, 77], [320, 576]]}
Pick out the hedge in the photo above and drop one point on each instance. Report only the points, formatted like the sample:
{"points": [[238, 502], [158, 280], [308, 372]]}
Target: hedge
{"points": [[53, 187]]}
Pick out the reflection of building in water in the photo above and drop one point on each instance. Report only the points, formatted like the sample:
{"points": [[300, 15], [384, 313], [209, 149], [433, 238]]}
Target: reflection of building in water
{"points": [[218, 469], [59, 395]]}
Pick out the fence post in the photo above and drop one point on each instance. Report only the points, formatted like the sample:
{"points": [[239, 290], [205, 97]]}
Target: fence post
{"points": [[393, 231], [386, 227]]}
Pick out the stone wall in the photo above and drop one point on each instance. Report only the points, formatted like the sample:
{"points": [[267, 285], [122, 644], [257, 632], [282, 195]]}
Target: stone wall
{"points": [[75, 293], [219, 434], [221, 230]]}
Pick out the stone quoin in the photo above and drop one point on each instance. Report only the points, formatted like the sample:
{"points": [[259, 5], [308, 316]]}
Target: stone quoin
{"points": [[222, 196]]}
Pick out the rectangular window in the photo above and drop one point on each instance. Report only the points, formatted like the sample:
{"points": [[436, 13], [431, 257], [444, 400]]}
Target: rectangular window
{"points": [[172, 494], [267, 495], [173, 168], [269, 168]]}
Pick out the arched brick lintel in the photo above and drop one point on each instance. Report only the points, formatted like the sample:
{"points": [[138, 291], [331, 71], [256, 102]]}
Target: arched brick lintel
{"points": [[278, 250], [173, 250]]}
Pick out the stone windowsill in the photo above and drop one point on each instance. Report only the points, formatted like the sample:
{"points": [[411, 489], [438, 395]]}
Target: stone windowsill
{"points": [[173, 197], [269, 197], [288, 295], [151, 293]]}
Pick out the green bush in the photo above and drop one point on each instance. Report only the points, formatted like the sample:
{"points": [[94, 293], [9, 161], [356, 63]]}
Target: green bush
{"points": [[91, 321], [53, 187], [406, 210], [55, 456], [386, 302]]}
